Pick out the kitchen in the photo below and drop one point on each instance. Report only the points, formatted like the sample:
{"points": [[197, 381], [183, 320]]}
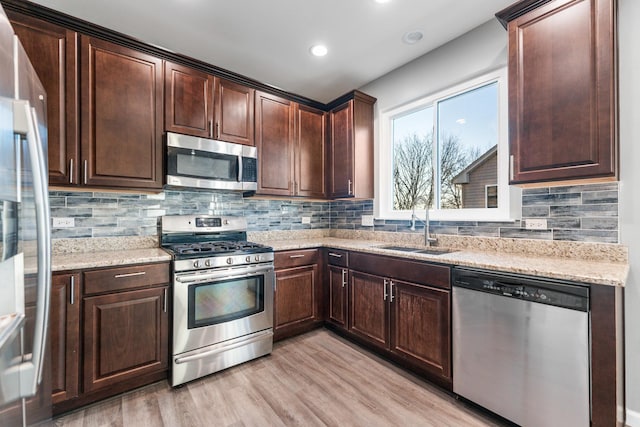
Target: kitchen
{"points": [[481, 49]]}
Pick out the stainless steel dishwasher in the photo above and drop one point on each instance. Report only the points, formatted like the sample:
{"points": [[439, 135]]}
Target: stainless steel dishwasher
{"points": [[521, 347]]}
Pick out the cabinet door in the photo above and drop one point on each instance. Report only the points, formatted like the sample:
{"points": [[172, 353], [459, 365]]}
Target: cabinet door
{"points": [[296, 297], [338, 295], [188, 101], [121, 116], [234, 112], [420, 326], [562, 92], [310, 152], [53, 54], [274, 129], [64, 335], [368, 312], [125, 336], [341, 175]]}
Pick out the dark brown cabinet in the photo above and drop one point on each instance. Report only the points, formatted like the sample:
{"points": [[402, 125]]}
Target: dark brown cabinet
{"points": [[298, 292], [337, 284], [64, 335], [121, 125], [199, 104], [274, 134], [562, 90], [368, 314], [53, 53], [351, 148], [309, 152]]}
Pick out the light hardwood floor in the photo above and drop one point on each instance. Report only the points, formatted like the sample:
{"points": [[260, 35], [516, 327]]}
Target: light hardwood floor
{"points": [[317, 379]]}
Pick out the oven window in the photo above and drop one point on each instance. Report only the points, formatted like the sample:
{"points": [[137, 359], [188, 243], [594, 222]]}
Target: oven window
{"points": [[202, 164], [218, 302]]}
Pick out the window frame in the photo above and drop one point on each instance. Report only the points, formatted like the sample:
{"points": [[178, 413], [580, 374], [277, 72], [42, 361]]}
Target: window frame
{"points": [[509, 197], [486, 196]]}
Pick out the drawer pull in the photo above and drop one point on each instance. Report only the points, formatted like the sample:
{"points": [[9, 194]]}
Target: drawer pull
{"points": [[335, 255], [296, 256], [139, 273]]}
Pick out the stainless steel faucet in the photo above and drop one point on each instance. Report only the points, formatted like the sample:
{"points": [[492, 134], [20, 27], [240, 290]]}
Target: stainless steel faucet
{"points": [[427, 237]]}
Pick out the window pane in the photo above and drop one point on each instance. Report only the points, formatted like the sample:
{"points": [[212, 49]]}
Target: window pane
{"points": [[467, 147], [413, 160]]}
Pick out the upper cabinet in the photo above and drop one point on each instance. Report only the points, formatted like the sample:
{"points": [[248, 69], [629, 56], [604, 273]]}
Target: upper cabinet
{"points": [[199, 104], [309, 151], [53, 53], [562, 90], [121, 98], [351, 148]]}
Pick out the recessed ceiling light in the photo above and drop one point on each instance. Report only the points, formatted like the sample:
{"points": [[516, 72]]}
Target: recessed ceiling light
{"points": [[318, 50], [412, 37]]}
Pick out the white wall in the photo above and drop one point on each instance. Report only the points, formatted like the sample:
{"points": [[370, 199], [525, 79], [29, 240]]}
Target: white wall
{"points": [[629, 63], [484, 49]]}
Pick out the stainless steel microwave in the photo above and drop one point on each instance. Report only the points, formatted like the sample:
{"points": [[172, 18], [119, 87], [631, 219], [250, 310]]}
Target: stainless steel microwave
{"points": [[209, 164]]}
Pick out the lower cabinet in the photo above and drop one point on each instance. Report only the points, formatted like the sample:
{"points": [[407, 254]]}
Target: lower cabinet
{"points": [[298, 292], [119, 318], [369, 309], [337, 283]]}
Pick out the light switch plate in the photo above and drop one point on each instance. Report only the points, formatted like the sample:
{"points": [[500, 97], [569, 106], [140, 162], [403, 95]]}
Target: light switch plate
{"points": [[64, 222], [367, 220], [535, 224], [306, 220]]}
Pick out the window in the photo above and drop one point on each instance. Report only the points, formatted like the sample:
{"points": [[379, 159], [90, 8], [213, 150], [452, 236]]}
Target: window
{"points": [[448, 153]]}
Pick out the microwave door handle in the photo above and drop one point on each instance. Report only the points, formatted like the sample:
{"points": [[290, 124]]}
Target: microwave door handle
{"points": [[25, 122], [240, 168]]}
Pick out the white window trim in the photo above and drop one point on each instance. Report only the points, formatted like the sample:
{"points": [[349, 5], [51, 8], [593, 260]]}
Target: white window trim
{"points": [[486, 195], [509, 197]]}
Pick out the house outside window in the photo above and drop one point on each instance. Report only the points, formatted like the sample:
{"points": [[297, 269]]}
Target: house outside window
{"points": [[443, 152]]}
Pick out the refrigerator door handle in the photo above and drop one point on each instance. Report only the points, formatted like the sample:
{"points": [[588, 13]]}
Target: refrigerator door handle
{"points": [[25, 122]]}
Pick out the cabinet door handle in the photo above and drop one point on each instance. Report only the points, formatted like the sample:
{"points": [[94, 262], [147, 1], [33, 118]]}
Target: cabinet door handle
{"points": [[139, 273], [384, 297], [344, 278], [296, 256], [335, 255], [217, 130], [70, 171], [511, 166], [72, 285], [210, 129], [164, 303], [85, 171], [349, 187], [390, 290]]}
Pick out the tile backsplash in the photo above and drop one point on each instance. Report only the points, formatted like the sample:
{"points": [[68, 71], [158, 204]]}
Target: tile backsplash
{"points": [[586, 213]]}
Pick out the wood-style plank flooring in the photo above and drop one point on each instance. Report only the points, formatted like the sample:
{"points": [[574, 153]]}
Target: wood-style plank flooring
{"points": [[317, 379]]}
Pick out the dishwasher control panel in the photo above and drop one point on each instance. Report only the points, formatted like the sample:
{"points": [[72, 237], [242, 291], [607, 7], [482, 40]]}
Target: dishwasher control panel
{"points": [[544, 291]]}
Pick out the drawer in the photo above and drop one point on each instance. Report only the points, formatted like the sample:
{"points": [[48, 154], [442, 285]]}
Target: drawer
{"points": [[338, 257], [123, 278], [423, 273], [296, 258]]}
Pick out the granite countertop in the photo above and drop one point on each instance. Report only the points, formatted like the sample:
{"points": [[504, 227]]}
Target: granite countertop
{"points": [[78, 261], [578, 270]]}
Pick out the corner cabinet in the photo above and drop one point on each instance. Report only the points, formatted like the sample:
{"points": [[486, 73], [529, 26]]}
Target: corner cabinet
{"points": [[298, 292], [54, 55], [351, 147], [562, 90], [121, 127]]}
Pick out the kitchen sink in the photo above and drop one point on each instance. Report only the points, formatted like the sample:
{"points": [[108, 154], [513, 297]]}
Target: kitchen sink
{"points": [[430, 251]]}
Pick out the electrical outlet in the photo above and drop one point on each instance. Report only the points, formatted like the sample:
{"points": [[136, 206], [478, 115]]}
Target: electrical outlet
{"points": [[306, 220], [367, 220], [535, 224], [64, 222]]}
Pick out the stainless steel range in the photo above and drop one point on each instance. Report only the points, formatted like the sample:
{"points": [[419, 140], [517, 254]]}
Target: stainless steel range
{"points": [[222, 294]]}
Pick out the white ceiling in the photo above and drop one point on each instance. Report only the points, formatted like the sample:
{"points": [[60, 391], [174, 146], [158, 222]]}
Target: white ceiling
{"points": [[269, 40]]}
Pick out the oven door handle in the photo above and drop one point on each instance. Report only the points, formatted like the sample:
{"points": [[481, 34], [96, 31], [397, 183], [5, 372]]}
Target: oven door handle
{"points": [[222, 348], [220, 275]]}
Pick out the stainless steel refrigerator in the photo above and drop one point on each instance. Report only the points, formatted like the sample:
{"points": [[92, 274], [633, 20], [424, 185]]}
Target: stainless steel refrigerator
{"points": [[25, 238]]}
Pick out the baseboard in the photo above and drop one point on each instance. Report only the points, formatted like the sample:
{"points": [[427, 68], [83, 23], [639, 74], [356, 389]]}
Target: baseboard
{"points": [[633, 418]]}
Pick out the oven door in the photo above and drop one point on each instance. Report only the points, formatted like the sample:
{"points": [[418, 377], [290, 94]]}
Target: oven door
{"points": [[213, 306]]}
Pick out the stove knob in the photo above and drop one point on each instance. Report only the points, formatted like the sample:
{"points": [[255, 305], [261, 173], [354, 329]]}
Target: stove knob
{"points": [[257, 258], [229, 260], [196, 264], [248, 259], [207, 263]]}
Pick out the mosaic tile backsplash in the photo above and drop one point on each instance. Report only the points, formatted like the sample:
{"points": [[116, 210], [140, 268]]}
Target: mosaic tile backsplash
{"points": [[586, 213]]}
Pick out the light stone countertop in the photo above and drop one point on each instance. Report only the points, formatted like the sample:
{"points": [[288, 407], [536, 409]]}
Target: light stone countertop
{"points": [[585, 271], [111, 258]]}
